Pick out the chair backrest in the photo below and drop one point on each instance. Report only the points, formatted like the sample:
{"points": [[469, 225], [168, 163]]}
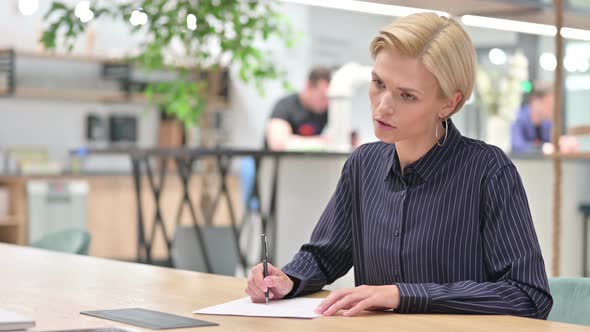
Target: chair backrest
{"points": [[219, 244], [571, 300], [73, 241]]}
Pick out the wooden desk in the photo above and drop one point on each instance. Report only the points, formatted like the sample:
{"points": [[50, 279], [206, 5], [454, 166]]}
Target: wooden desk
{"points": [[53, 288]]}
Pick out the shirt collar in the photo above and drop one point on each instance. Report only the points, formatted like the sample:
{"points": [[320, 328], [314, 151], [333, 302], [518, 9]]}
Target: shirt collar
{"points": [[426, 166]]}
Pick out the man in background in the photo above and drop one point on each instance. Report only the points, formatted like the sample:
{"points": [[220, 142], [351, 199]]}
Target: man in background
{"points": [[531, 131], [298, 119]]}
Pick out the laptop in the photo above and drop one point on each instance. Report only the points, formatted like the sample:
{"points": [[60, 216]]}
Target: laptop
{"points": [[10, 321]]}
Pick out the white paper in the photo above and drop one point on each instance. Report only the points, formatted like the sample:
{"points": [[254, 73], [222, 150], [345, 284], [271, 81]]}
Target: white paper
{"points": [[10, 321], [290, 308]]}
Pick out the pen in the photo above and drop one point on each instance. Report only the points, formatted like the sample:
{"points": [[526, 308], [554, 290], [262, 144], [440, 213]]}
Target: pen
{"points": [[265, 264]]}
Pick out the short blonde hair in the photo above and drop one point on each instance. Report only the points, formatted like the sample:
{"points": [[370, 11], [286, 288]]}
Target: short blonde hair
{"points": [[442, 46]]}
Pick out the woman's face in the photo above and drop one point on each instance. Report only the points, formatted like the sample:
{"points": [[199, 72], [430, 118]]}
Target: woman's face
{"points": [[404, 99]]}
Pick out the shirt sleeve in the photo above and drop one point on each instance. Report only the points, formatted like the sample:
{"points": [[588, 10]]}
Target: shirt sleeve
{"points": [[518, 281], [328, 255], [282, 110]]}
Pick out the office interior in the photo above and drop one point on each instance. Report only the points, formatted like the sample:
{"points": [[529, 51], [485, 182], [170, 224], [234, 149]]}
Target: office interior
{"points": [[91, 165]]}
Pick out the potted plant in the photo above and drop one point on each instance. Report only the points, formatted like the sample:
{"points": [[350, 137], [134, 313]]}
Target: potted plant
{"points": [[185, 36]]}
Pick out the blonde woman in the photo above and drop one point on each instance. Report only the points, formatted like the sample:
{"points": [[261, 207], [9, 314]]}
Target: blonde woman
{"points": [[431, 221]]}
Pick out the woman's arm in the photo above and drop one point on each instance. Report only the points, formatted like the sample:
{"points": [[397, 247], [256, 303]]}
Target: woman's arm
{"points": [[515, 268], [328, 255]]}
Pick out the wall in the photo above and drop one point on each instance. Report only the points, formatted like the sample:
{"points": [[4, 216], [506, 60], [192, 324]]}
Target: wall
{"points": [[59, 125]]}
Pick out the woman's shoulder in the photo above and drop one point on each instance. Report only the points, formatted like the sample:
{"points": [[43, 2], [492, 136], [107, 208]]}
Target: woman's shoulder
{"points": [[491, 156]]}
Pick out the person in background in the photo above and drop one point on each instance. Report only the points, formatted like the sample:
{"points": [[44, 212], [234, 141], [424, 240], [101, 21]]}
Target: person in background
{"points": [[432, 221], [531, 131], [299, 118]]}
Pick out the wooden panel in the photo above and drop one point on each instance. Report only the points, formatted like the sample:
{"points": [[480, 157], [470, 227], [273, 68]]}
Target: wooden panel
{"points": [[112, 212], [13, 226], [579, 130], [112, 216]]}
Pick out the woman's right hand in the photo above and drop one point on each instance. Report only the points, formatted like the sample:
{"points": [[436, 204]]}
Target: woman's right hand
{"points": [[277, 282]]}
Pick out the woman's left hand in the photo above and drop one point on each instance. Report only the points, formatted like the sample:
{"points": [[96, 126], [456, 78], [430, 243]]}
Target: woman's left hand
{"points": [[355, 300]]}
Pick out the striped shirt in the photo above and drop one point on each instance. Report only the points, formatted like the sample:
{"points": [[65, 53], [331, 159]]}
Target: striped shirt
{"points": [[454, 232]]}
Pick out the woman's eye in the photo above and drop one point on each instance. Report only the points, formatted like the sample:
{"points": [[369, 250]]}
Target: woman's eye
{"points": [[407, 96], [378, 83]]}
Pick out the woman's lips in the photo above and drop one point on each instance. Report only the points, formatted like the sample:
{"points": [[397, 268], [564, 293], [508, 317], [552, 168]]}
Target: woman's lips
{"points": [[384, 125]]}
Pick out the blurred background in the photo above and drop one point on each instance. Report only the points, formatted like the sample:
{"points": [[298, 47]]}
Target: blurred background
{"points": [[135, 130]]}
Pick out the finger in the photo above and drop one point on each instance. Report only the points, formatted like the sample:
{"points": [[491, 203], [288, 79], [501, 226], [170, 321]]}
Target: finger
{"points": [[272, 281], [256, 295], [253, 272], [362, 305], [250, 276], [257, 276], [250, 294], [331, 299], [346, 302], [280, 285]]}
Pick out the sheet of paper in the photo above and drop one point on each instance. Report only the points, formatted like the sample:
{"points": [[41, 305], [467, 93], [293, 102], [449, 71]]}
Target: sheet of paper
{"points": [[290, 308]]}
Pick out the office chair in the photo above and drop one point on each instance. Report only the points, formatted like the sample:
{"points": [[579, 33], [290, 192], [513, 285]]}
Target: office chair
{"points": [[219, 244], [571, 300], [73, 241]]}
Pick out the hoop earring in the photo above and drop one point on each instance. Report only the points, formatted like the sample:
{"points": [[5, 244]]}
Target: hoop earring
{"points": [[446, 124]]}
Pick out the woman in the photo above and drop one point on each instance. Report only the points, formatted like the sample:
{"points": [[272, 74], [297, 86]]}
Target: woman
{"points": [[431, 221]]}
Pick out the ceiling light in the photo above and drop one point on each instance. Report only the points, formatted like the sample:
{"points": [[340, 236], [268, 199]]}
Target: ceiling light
{"points": [[28, 7], [138, 18], [548, 61], [509, 25], [497, 56], [365, 7], [83, 11], [572, 33], [570, 63]]}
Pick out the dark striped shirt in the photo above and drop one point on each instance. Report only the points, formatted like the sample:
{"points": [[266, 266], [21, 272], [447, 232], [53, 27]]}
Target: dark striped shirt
{"points": [[454, 233]]}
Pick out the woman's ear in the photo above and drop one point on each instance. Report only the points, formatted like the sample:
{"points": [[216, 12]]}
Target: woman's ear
{"points": [[449, 105]]}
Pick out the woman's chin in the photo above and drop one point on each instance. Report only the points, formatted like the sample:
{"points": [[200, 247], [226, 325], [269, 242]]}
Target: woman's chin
{"points": [[385, 138]]}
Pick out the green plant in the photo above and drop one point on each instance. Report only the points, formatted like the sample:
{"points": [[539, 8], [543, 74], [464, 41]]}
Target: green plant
{"points": [[499, 89], [209, 33]]}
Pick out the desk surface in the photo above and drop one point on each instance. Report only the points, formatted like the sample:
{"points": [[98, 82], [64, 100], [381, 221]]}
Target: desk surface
{"points": [[53, 288]]}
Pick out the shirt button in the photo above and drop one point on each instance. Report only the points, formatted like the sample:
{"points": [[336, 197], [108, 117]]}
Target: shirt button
{"points": [[396, 273], [403, 193], [396, 233]]}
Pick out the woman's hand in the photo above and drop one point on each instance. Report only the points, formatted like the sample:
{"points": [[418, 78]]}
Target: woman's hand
{"points": [[355, 300], [277, 282]]}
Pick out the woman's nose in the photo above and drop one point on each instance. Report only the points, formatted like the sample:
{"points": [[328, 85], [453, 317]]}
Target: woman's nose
{"points": [[386, 104]]}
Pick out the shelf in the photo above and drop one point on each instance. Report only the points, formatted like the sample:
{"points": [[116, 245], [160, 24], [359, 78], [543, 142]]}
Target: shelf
{"points": [[91, 96], [66, 57], [113, 69], [80, 58], [78, 95]]}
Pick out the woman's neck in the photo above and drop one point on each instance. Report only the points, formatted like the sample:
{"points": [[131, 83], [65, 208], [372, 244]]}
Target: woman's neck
{"points": [[409, 151]]}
